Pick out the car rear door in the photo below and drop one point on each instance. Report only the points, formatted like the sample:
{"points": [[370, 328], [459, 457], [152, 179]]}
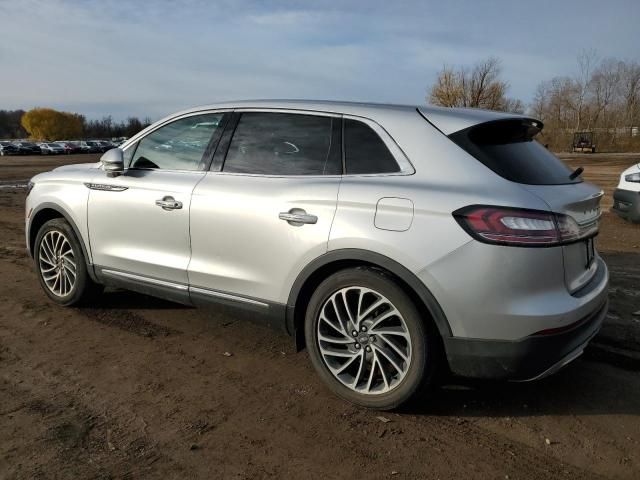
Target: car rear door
{"points": [[266, 208], [139, 221]]}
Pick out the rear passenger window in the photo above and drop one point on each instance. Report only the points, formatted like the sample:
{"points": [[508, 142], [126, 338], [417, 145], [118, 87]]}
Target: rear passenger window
{"points": [[283, 144], [365, 152]]}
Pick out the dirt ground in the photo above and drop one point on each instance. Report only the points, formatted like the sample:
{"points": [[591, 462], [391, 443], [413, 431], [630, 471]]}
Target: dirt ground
{"points": [[136, 387]]}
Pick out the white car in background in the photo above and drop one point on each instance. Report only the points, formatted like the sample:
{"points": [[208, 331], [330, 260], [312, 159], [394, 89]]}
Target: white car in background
{"points": [[626, 198], [50, 148]]}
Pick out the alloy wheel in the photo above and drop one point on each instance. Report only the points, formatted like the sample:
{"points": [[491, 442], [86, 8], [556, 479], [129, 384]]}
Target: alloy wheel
{"points": [[364, 340], [57, 263]]}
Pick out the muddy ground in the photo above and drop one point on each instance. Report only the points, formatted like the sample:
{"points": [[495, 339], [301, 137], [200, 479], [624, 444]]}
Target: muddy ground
{"points": [[136, 387]]}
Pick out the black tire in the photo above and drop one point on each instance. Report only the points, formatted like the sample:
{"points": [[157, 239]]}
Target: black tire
{"points": [[424, 356], [84, 289]]}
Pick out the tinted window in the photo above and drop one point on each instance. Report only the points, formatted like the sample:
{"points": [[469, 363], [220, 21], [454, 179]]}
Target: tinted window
{"points": [[178, 145], [364, 150], [510, 150], [282, 144]]}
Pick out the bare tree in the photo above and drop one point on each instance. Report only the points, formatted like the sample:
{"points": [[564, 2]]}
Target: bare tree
{"points": [[630, 86], [541, 101], [604, 86], [586, 60], [477, 87], [449, 90], [603, 97]]}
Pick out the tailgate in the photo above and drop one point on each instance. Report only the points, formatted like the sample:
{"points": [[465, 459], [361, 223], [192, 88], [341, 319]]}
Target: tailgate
{"points": [[582, 202]]}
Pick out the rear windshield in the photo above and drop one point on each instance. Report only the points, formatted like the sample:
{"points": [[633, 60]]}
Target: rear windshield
{"points": [[509, 148]]}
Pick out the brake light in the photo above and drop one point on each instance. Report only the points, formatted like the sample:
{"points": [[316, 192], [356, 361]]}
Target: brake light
{"points": [[521, 227]]}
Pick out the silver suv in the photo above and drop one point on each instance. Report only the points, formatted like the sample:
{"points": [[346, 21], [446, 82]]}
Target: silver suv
{"points": [[394, 242]]}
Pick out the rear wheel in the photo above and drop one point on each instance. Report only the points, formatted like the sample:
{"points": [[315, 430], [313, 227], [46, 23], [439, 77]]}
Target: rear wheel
{"points": [[61, 265], [367, 340]]}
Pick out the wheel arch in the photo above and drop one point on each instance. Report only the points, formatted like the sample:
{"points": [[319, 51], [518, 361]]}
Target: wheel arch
{"points": [[48, 211], [319, 269]]}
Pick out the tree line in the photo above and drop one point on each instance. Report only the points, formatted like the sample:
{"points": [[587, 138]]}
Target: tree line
{"points": [[603, 96], [49, 124]]}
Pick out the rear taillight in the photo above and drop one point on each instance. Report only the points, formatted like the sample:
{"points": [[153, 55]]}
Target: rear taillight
{"points": [[521, 227]]}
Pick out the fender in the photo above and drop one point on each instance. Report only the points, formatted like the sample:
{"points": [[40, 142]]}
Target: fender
{"points": [[347, 255], [64, 214]]}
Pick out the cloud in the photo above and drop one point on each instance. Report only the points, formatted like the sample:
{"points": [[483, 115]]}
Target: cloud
{"points": [[151, 58]]}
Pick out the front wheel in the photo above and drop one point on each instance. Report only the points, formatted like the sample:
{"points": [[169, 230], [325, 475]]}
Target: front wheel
{"points": [[367, 340], [61, 266]]}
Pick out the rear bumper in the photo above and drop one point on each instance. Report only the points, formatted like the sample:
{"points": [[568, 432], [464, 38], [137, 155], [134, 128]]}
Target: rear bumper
{"points": [[531, 358], [626, 204]]}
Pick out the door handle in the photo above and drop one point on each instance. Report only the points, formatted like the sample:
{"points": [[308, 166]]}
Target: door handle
{"points": [[297, 217], [169, 203]]}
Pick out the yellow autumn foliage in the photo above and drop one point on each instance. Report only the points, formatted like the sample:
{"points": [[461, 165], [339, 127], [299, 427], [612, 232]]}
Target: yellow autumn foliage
{"points": [[50, 125]]}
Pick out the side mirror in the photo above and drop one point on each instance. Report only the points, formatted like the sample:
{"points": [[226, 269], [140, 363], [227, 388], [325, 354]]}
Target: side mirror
{"points": [[113, 162]]}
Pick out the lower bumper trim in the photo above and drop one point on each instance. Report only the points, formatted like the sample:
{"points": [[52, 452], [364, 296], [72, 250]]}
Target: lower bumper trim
{"points": [[531, 358], [627, 204]]}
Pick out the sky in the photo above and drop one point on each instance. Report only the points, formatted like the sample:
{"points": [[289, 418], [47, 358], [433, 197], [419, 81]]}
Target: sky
{"points": [[151, 58]]}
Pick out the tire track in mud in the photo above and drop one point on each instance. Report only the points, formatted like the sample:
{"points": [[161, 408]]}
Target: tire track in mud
{"points": [[80, 438], [77, 431], [128, 321], [478, 449]]}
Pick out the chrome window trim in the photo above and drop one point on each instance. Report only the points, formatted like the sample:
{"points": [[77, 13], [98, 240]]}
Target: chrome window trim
{"points": [[280, 110], [406, 168], [153, 127], [296, 111], [133, 141]]}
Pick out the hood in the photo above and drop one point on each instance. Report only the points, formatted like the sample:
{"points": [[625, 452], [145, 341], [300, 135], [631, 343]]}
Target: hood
{"points": [[78, 167], [79, 171]]}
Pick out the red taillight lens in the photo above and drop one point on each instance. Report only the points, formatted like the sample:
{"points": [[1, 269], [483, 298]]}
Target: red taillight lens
{"points": [[520, 227]]}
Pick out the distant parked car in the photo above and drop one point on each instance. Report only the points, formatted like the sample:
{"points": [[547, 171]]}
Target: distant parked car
{"points": [[97, 146], [81, 145], [626, 198], [28, 148], [69, 147], [107, 144], [8, 148], [51, 149]]}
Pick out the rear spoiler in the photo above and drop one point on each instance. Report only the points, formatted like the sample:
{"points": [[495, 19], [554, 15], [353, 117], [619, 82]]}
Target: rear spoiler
{"points": [[451, 120]]}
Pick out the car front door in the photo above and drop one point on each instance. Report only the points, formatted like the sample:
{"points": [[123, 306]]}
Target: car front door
{"points": [[267, 212], [139, 221]]}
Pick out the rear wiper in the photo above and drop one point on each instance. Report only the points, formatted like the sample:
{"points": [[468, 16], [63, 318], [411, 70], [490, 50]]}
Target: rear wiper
{"points": [[576, 173]]}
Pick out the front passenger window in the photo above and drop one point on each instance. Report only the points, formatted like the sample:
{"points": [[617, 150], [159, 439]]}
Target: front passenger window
{"points": [[178, 145]]}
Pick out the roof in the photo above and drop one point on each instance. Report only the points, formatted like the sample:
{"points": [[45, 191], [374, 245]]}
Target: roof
{"points": [[447, 120]]}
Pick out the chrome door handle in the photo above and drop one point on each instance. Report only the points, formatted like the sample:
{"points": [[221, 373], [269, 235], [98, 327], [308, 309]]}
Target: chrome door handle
{"points": [[169, 203], [297, 217]]}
